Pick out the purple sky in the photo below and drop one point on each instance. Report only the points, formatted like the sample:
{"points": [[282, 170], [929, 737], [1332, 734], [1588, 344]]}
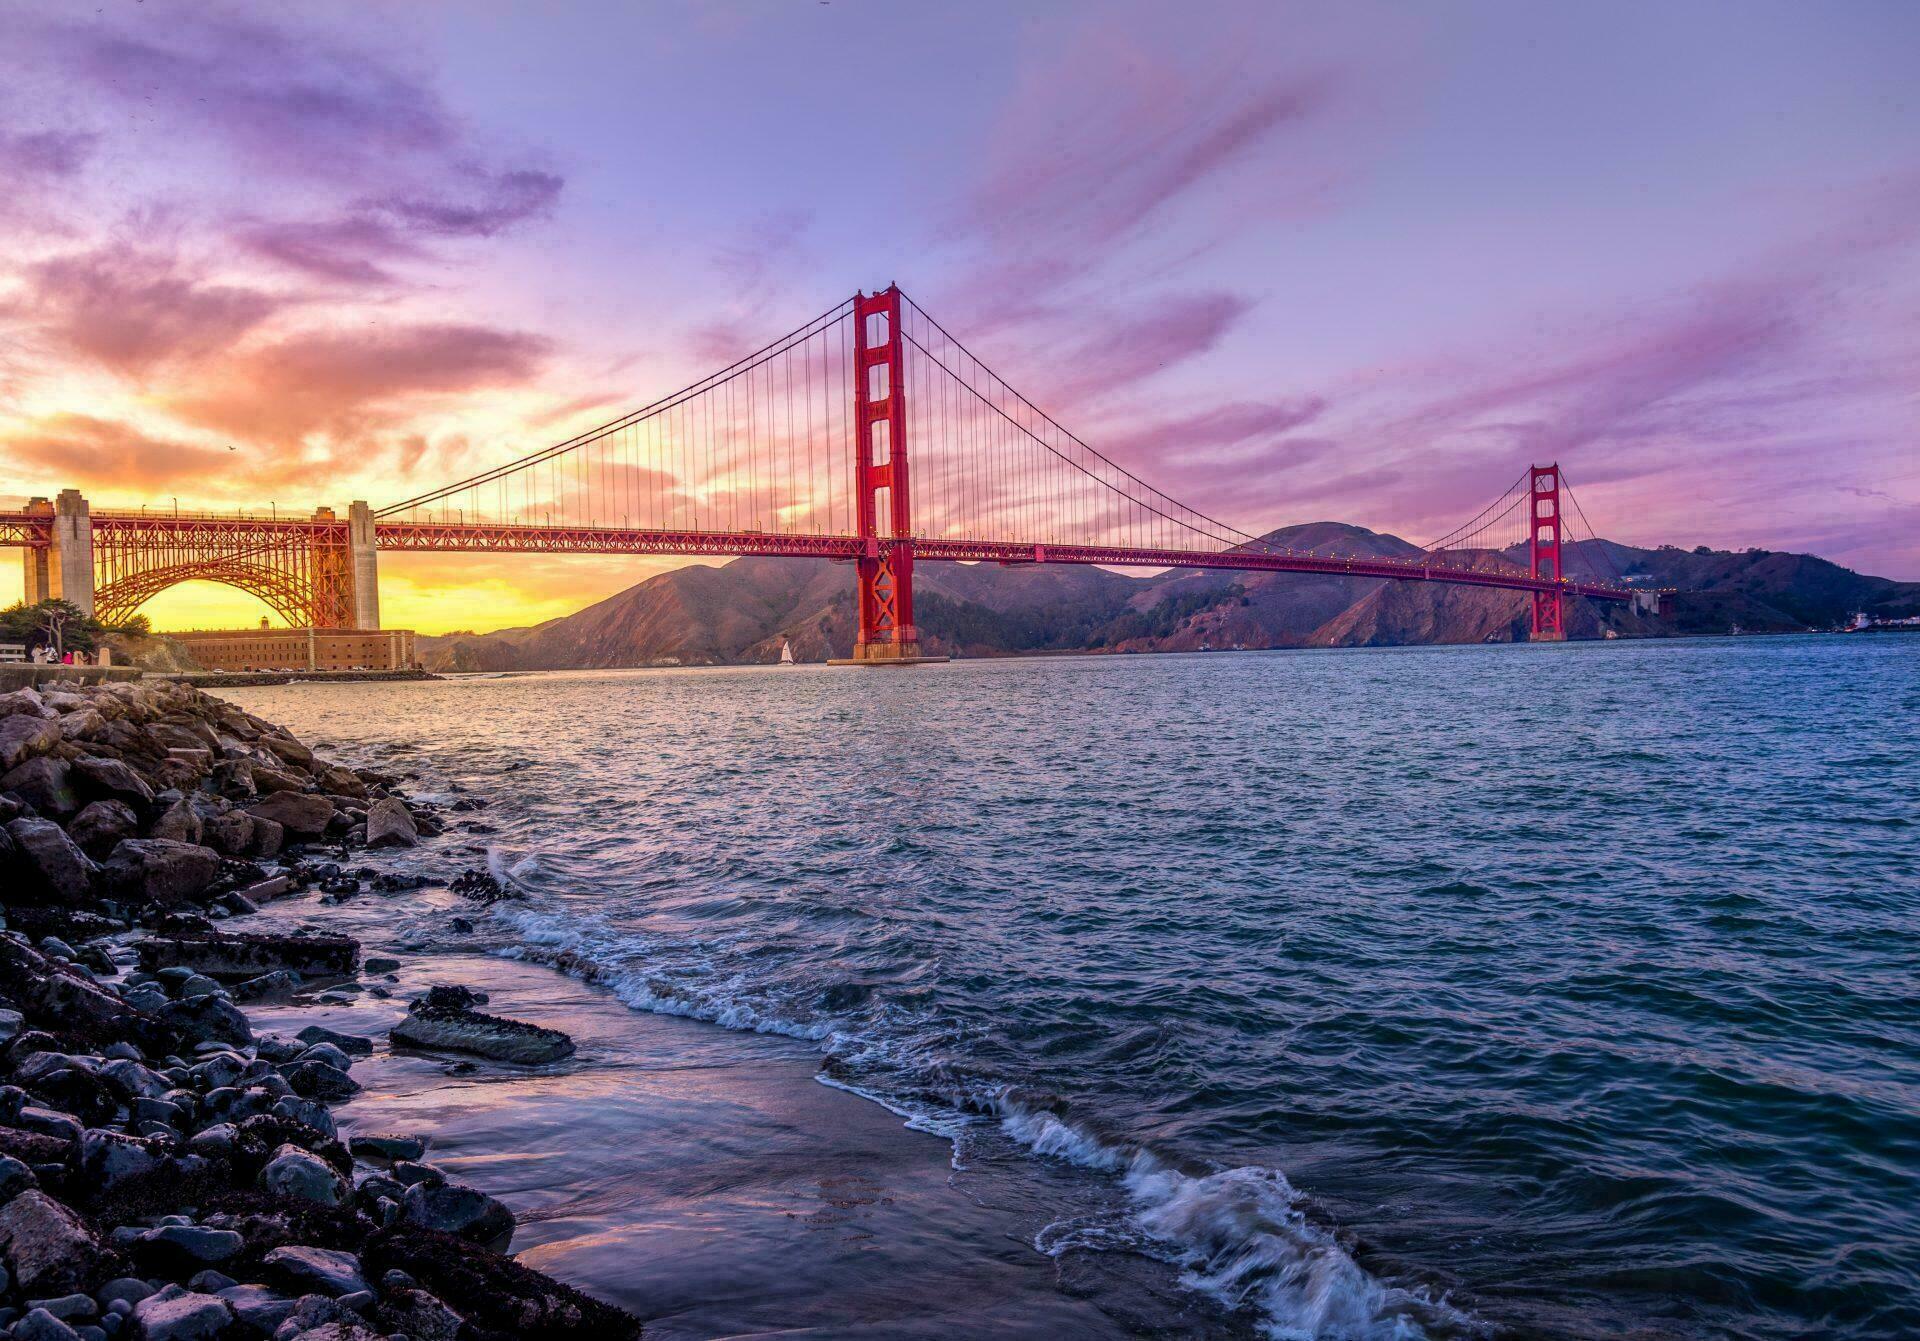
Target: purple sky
{"points": [[1291, 263]]}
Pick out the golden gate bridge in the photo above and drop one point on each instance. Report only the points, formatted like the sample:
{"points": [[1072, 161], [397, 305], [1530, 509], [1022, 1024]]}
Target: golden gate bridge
{"points": [[869, 435]]}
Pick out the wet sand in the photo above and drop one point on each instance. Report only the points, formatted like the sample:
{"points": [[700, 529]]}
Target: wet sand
{"points": [[703, 1178]]}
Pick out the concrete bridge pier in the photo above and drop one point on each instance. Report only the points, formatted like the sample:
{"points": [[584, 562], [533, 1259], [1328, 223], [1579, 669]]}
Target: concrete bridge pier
{"points": [[69, 559], [38, 562], [363, 562]]}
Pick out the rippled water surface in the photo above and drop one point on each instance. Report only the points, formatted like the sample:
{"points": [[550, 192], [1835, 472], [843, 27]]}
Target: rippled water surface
{"points": [[1511, 990]]}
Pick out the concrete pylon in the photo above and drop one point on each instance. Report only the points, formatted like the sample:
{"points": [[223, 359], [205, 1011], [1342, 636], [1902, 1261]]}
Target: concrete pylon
{"points": [[364, 564], [38, 562], [71, 557]]}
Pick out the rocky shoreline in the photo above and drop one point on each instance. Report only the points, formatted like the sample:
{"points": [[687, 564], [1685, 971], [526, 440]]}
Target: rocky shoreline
{"points": [[166, 1172]]}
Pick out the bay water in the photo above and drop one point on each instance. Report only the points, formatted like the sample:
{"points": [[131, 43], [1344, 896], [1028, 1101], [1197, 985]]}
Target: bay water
{"points": [[1524, 990]]}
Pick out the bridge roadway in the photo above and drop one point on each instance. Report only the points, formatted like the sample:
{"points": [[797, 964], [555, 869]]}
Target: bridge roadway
{"points": [[34, 530]]}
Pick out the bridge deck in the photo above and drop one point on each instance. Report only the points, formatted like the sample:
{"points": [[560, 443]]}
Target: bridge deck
{"points": [[33, 530]]}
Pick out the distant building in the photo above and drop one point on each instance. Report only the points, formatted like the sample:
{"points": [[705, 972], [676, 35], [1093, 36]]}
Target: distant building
{"points": [[268, 648]]}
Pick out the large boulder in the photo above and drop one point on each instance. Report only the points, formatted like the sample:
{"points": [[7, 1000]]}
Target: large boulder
{"points": [[454, 1208], [159, 870], [45, 783], [293, 1172], [496, 1293], [182, 1317], [25, 701], [48, 1249], [236, 956], [459, 1028], [302, 814], [52, 867], [390, 824], [99, 828], [55, 996], [328, 1270], [231, 833], [178, 823], [207, 1019], [24, 736], [112, 779]]}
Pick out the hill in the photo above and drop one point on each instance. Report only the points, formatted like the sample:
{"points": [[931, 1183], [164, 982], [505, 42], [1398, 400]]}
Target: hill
{"points": [[742, 611]]}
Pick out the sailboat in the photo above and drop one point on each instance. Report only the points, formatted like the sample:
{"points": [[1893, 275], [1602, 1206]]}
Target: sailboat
{"points": [[786, 652]]}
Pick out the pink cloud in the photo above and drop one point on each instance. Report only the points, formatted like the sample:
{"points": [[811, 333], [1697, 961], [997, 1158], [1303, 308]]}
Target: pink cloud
{"points": [[337, 379], [129, 309]]}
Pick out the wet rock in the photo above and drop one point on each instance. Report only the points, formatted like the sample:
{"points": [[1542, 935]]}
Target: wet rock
{"points": [[258, 1307], [207, 1019], [496, 1292], [40, 1325], [391, 824], [454, 1208], [303, 814], [57, 996], [268, 986], [384, 1150], [50, 866], [111, 1160], [159, 870], [233, 955], [328, 1270], [174, 1244], [45, 783], [293, 1172], [48, 1250], [15, 1178], [351, 1044], [380, 965], [491, 1036], [111, 779], [419, 1315], [481, 888], [317, 1080], [99, 827], [181, 1317]]}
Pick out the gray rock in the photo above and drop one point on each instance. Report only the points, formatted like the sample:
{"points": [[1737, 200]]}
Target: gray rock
{"points": [[303, 814], [390, 824], [183, 1317], [385, 1150], [293, 1172], [178, 823], [45, 783], [15, 1178], [279, 983], [236, 956], [134, 1079], [258, 1307], [231, 834], [99, 828], [459, 1029], [47, 1249], [318, 1080], [109, 1159], [54, 866], [68, 1306], [195, 1242], [380, 965], [353, 1044], [24, 736], [208, 1019], [111, 779], [40, 1325], [454, 1208], [11, 1023], [159, 870], [123, 1289], [328, 1270], [268, 838]]}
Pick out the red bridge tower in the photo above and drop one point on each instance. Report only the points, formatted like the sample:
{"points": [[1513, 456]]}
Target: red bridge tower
{"points": [[1543, 555]]}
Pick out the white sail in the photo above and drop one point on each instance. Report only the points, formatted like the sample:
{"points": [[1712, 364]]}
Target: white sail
{"points": [[786, 653]]}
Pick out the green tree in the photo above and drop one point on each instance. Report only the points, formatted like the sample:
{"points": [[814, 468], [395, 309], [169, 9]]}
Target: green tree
{"points": [[63, 625]]}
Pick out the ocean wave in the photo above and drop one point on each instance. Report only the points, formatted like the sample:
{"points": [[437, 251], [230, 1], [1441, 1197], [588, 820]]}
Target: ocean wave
{"points": [[1237, 1235]]}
